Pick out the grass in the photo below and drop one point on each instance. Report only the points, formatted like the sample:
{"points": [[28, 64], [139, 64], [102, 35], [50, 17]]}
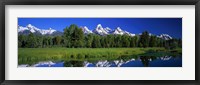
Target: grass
{"points": [[34, 55]]}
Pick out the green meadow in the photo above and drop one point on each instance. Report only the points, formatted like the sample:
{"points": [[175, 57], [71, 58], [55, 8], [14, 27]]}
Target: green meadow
{"points": [[34, 55]]}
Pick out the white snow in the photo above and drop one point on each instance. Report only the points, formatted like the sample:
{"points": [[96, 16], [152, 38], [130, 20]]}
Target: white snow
{"points": [[21, 29], [105, 63], [164, 58], [49, 31], [100, 30], [165, 36], [107, 29], [130, 34], [34, 29], [118, 31], [50, 63], [86, 30]]}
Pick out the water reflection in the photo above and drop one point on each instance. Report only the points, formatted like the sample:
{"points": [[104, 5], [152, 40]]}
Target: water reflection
{"points": [[73, 63], [140, 61]]}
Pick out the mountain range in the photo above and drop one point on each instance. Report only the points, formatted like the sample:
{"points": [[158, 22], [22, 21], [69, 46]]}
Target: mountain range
{"points": [[98, 30], [32, 29]]}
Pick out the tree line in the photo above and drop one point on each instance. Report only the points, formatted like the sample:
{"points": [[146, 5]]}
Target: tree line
{"points": [[74, 37]]}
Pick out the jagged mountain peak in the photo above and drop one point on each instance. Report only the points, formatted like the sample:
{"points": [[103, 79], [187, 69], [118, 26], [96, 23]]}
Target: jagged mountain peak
{"points": [[99, 26], [30, 25], [118, 29], [86, 30], [100, 30]]}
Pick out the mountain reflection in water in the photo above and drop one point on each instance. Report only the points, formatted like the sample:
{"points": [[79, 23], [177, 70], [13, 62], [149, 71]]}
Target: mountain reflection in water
{"points": [[142, 61]]}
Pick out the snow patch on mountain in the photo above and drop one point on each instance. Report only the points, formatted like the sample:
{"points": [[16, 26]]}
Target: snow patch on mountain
{"points": [[130, 34], [108, 30], [49, 31], [165, 36]]}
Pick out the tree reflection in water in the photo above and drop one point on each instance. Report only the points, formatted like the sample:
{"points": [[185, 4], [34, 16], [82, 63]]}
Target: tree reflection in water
{"points": [[145, 60], [73, 63]]}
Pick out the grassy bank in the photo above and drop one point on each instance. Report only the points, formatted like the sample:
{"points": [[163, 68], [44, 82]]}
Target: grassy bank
{"points": [[34, 55]]}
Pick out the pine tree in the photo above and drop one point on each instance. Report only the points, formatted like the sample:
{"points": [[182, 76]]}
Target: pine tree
{"points": [[144, 39]]}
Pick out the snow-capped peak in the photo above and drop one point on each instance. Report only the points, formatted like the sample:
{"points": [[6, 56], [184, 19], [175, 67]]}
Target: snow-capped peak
{"points": [[32, 28], [119, 29], [29, 25], [100, 30], [86, 30], [99, 26]]}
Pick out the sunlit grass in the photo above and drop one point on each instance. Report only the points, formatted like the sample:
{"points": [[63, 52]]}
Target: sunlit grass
{"points": [[34, 55]]}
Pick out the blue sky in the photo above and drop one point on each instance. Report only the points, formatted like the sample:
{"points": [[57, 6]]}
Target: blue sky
{"points": [[171, 26]]}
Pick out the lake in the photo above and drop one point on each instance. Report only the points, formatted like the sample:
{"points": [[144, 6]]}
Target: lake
{"points": [[139, 61]]}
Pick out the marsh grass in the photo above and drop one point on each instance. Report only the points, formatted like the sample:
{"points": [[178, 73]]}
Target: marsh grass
{"points": [[33, 55]]}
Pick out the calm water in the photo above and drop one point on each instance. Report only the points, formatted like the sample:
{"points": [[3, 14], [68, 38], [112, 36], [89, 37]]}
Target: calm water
{"points": [[142, 61]]}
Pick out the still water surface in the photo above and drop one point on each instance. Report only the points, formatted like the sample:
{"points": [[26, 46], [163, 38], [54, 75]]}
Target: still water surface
{"points": [[142, 61]]}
